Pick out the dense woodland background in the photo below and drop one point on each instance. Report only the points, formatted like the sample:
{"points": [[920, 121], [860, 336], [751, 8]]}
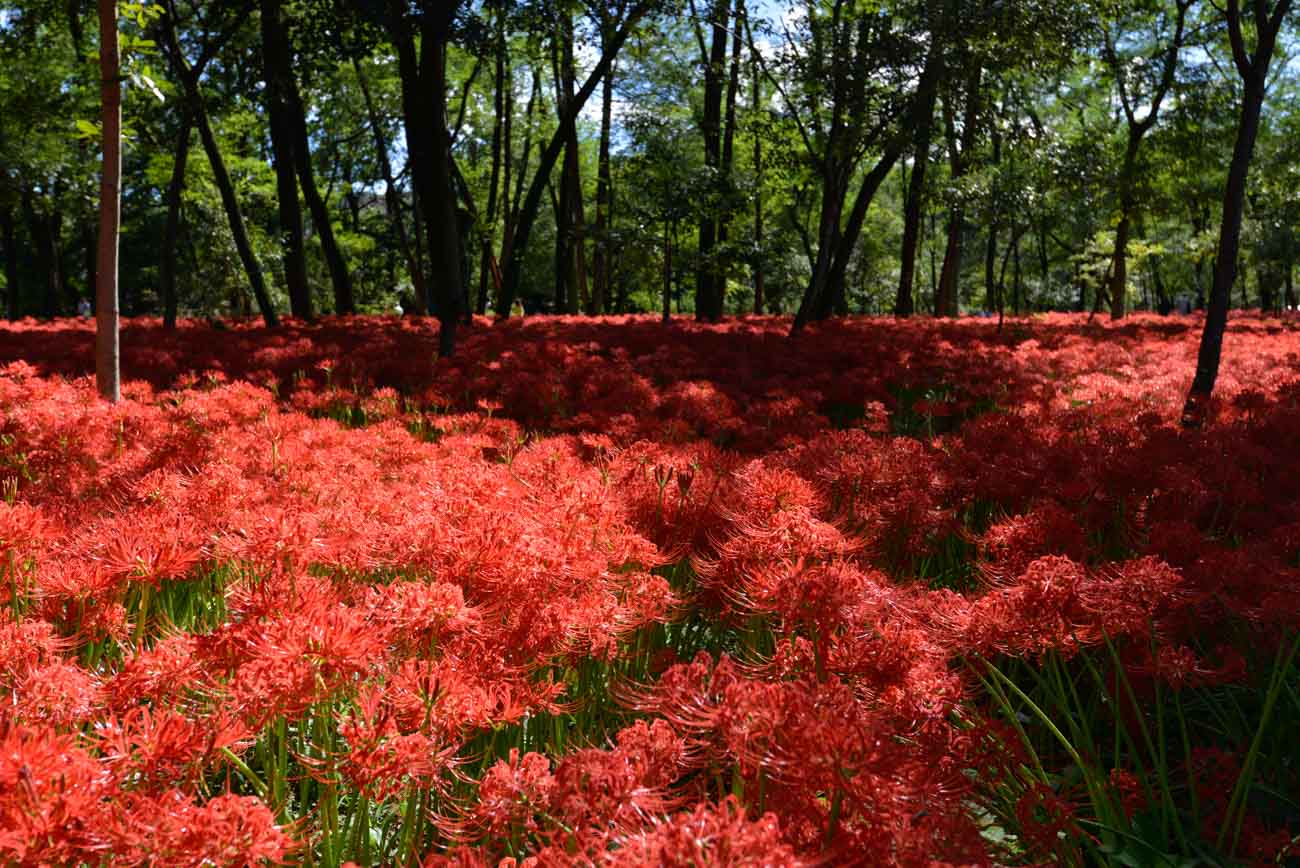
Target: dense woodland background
{"points": [[712, 156]]}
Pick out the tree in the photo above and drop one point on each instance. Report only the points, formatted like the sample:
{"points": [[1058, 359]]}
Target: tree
{"points": [[107, 352], [424, 111], [1128, 74], [190, 76], [1252, 68], [513, 254]]}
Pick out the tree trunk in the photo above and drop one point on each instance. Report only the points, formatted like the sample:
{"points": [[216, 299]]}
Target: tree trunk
{"points": [[505, 296], [7, 234], [233, 214], [724, 215], [904, 304], [528, 211], [90, 262], [44, 232], [1254, 72], [706, 274], [501, 104], [340, 276], [1288, 287], [424, 107], [600, 288], [668, 272], [221, 176], [1119, 259], [755, 103], [392, 196], [1017, 288], [171, 233], [283, 92], [947, 302], [107, 350], [277, 65]]}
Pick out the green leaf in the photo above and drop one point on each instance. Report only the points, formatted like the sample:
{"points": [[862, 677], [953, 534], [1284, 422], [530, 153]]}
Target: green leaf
{"points": [[88, 131]]}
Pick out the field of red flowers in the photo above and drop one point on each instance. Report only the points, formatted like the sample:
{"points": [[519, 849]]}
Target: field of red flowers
{"points": [[609, 592]]}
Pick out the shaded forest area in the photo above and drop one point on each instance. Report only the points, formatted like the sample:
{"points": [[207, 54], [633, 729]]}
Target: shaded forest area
{"points": [[714, 157]]}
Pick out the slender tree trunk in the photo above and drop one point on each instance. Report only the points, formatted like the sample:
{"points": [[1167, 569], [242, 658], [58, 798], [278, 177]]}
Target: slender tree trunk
{"points": [[1119, 260], [668, 271], [551, 153], [1017, 287], [574, 255], [392, 195], [706, 275], [171, 232], [600, 291], [340, 276], [234, 215], [40, 229], [90, 261], [107, 351], [501, 104], [505, 295], [277, 67], [724, 215], [1043, 265], [904, 304], [221, 176], [13, 296], [756, 107], [424, 104], [948, 302], [294, 145], [1254, 73], [1288, 287], [600, 288]]}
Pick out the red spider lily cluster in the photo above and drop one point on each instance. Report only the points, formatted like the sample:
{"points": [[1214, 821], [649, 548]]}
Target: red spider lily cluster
{"points": [[610, 592]]}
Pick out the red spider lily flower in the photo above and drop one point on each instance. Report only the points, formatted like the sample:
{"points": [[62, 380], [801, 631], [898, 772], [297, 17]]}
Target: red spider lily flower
{"points": [[720, 836]]}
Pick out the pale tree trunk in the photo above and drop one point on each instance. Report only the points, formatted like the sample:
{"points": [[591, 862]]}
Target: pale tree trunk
{"points": [[107, 350]]}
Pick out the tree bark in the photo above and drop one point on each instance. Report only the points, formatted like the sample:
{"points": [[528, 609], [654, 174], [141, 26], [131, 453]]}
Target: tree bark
{"points": [[502, 105], [947, 299], [1119, 259], [13, 296], [424, 108], [668, 272], [600, 288], [755, 98], [171, 232], [340, 276], [571, 260], [277, 66], [904, 304], [706, 274], [1136, 131], [392, 196], [514, 256], [107, 347], [199, 111], [1254, 73]]}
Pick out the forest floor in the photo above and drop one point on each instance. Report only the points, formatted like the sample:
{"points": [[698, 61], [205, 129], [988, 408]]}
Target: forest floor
{"points": [[618, 593]]}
